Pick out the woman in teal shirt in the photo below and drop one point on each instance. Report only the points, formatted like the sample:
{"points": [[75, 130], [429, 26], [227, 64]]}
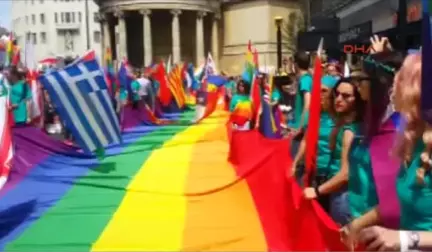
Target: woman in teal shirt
{"points": [[20, 97], [242, 94], [325, 129], [348, 108], [414, 181]]}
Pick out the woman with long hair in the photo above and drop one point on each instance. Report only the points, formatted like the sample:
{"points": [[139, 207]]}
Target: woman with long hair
{"points": [[348, 108], [414, 183], [241, 107], [325, 128]]}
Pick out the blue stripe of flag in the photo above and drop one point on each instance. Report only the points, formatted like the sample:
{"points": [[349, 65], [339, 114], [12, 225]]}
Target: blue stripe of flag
{"points": [[81, 96]]}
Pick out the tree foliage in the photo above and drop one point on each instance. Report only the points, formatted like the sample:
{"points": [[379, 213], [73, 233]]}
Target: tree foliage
{"points": [[294, 24]]}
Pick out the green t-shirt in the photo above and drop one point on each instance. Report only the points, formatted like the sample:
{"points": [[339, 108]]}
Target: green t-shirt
{"points": [[236, 99], [135, 86], [415, 199], [323, 149], [362, 195], [20, 93], [335, 162], [305, 86]]}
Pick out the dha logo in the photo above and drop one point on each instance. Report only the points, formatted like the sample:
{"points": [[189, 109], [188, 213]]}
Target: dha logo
{"points": [[356, 49]]}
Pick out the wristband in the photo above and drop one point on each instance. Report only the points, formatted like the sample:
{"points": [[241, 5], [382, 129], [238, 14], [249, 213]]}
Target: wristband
{"points": [[317, 192], [404, 241]]}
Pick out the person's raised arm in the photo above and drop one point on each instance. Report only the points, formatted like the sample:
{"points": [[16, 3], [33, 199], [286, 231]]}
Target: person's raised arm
{"points": [[306, 99], [341, 178]]}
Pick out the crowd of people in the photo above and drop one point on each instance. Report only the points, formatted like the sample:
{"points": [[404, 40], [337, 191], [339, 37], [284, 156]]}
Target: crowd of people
{"points": [[353, 108]]}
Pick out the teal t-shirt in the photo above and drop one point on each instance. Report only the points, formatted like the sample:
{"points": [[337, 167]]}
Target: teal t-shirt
{"points": [[135, 86], [362, 195], [305, 85], [20, 93], [236, 99], [123, 94], [323, 149], [231, 85], [276, 95], [415, 199], [335, 162]]}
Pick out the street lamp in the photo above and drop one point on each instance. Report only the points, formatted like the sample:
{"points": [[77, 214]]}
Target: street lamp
{"points": [[278, 21]]}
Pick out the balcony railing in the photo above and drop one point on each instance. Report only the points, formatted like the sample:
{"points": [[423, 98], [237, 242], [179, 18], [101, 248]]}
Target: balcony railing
{"points": [[68, 26]]}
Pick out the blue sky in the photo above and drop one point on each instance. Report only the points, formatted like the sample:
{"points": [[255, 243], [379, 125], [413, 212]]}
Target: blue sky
{"points": [[5, 15]]}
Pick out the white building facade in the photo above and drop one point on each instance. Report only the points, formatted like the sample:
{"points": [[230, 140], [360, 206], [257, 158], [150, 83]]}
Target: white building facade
{"points": [[56, 27]]}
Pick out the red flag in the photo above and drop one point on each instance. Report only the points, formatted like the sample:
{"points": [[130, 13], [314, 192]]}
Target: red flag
{"points": [[289, 221], [255, 54], [255, 96], [6, 151], [16, 55], [250, 46], [36, 110], [314, 121], [164, 94]]}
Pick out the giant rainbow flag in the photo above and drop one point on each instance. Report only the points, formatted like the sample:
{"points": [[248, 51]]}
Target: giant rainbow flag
{"points": [[166, 188]]}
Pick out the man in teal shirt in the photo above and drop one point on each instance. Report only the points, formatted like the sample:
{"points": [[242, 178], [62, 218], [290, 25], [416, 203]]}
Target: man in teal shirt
{"points": [[303, 96], [302, 62], [20, 97]]}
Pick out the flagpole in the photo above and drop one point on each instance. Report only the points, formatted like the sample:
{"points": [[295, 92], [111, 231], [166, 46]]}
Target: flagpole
{"points": [[87, 23]]}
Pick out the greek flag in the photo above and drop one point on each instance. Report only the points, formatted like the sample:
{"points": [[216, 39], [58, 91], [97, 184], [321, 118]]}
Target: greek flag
{"points": [[80, 94]]}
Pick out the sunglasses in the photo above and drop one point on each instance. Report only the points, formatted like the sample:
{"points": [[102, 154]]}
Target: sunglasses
{"points": [[345, 96]]}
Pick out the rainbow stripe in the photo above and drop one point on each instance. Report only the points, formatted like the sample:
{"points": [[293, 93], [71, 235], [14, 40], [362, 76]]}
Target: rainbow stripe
{"points": [[168, 189]]}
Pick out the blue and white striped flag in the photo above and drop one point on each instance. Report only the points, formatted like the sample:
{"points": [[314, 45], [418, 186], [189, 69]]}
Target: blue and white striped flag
{"points": [[80, 94]]}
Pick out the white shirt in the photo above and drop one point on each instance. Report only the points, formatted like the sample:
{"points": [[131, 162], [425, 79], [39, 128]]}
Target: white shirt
{"points": [[144, 85]]}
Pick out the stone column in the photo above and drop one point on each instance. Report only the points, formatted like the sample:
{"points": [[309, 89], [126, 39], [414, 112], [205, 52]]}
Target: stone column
{"points": [[215, 37], [122, 35], [106, 36], [148, 49], [200, 37], [176, 49]]}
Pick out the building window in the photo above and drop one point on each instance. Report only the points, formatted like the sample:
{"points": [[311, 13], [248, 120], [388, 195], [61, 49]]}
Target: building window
{"points": [[79, 17], [32, 1], [62, 17], [95, 17], [33, 19], [67, 17], [41, 1], [43, 37], [73, 17], [97, 36], [42, 18], [34, 38], [28, 36], [56, 17], [26, 20]]}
